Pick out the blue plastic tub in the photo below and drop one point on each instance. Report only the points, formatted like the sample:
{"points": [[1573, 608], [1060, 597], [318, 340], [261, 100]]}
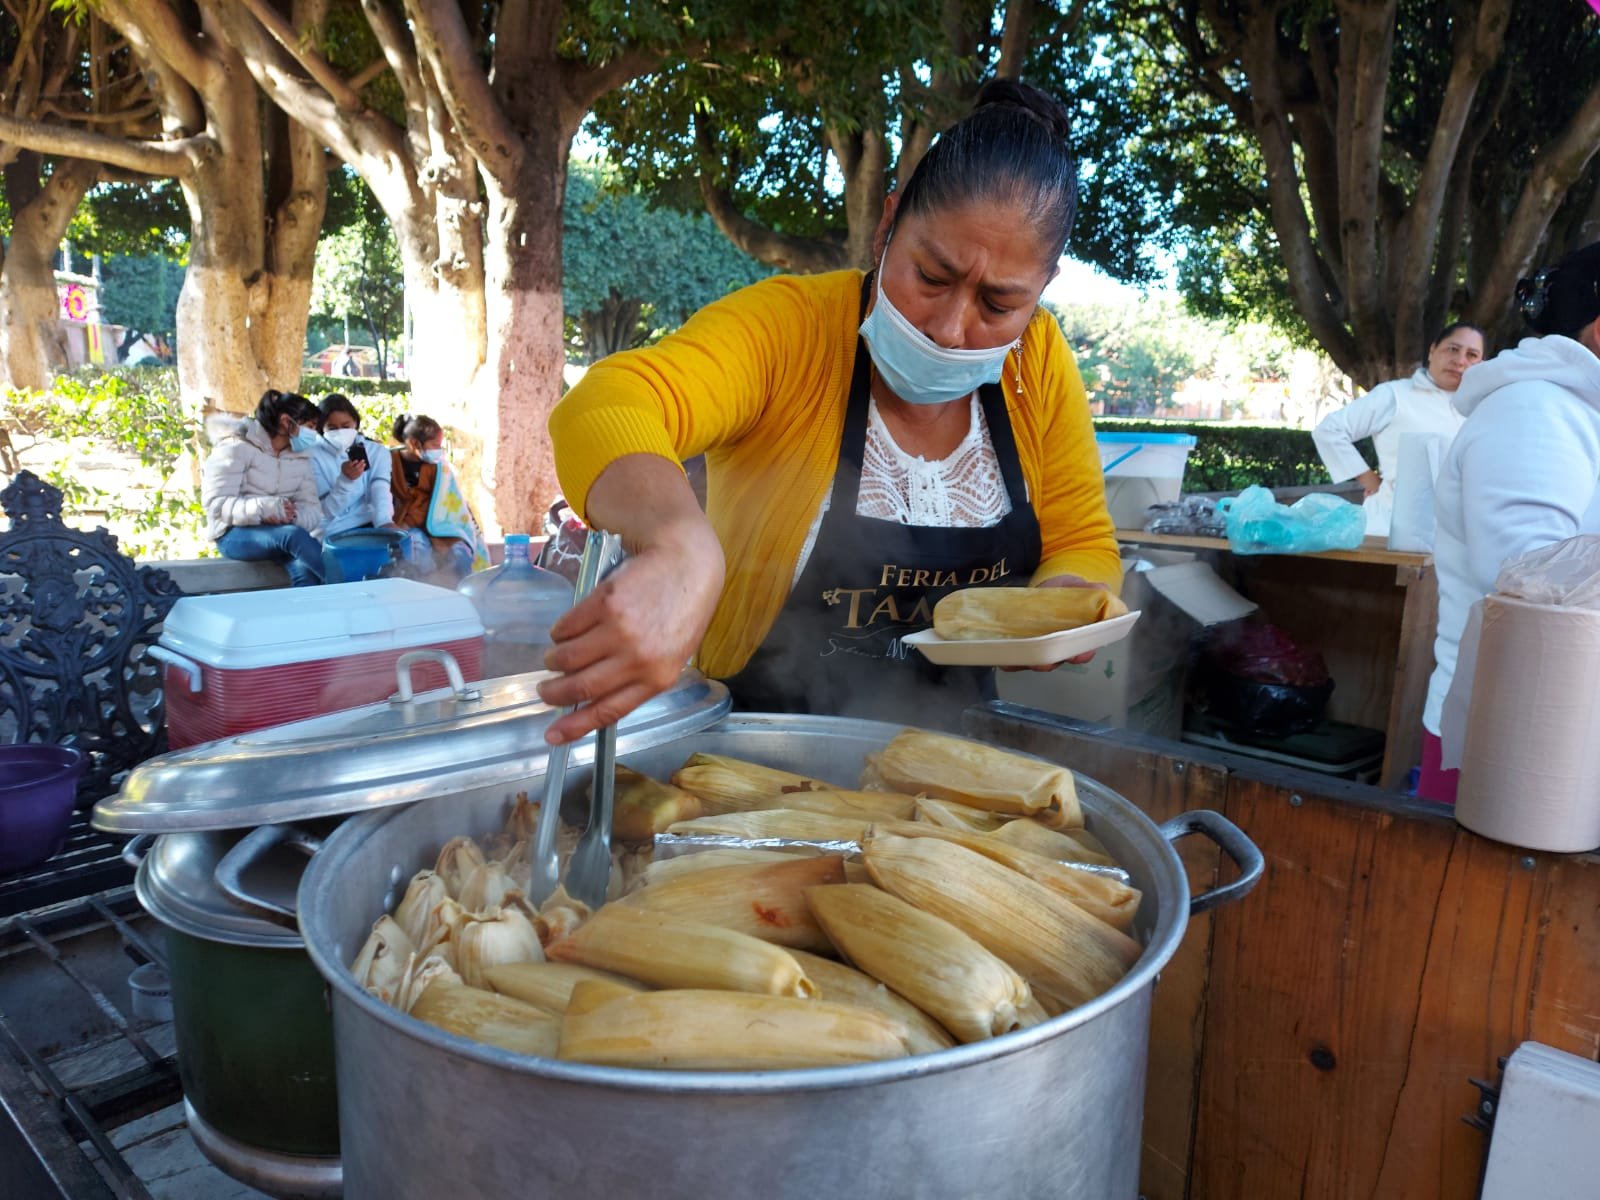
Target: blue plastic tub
{"points": [[358, 555], [1142, 469]]}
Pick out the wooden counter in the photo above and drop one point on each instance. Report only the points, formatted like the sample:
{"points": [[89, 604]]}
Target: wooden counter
{"points": [[1372, 612], [1318, 1038]]}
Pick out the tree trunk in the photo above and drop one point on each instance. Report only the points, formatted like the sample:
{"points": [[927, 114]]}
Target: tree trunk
{"points": [[33, 346], [521, 381]]}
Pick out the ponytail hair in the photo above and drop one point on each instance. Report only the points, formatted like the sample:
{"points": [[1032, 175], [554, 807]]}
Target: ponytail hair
{"points": [[275, 405], [1014, 147], [415, 427]]}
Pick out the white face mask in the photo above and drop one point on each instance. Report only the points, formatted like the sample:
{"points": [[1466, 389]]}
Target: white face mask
{"points": [[433, 456], [918, 369], [341, 439]]}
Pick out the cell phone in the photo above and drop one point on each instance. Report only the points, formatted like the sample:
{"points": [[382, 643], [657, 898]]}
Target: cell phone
{"points": [[358, 451]]}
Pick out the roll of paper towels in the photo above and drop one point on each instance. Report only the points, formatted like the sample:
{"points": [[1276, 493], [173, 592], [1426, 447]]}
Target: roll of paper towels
{"points": [[1530, 761]]}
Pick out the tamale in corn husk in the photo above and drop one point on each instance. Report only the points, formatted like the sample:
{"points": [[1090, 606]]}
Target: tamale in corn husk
{"points": [[1021, 612], [690, 1030], [424, 894], [841, 984], [1103, 896], [456, 862], [1063, 846], [766, 901], [778, 823], [559, 915], [485, 886], [501, 935], [488, 1017], [947, 814], [670, 953], [871, 806], [1066, 955], [662, 870], [380, 967], [730, 784], [548, 985], [927, 960], [645, 807], [952, 768]]}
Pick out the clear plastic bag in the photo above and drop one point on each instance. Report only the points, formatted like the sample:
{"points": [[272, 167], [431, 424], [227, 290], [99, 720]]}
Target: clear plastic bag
{"points": [[1258, 524], [1564, 573]]}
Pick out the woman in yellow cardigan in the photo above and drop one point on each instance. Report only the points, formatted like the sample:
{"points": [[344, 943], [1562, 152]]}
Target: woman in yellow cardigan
{"points": [[871, 444]]}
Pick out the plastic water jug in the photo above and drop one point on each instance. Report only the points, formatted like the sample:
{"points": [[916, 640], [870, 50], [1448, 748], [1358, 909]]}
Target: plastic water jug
{"points": [[518, 603]]}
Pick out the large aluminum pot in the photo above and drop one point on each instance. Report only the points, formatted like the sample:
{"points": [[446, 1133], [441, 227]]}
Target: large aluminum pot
{"points": [[1052, 1111]]}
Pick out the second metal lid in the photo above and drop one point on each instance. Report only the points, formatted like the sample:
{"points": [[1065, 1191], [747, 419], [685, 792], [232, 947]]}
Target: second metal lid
{"points": [[381, 755]]}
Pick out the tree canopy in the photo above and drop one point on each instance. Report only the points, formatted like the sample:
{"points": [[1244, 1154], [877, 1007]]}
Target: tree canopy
{"points": [[1359, 172], [630, 270]]}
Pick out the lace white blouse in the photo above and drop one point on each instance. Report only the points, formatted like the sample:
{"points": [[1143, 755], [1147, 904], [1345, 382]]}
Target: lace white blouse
{"points": [[962, 491]]}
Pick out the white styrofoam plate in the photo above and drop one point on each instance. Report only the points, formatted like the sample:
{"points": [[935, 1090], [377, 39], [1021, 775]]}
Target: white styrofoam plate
{"points": [[1043, 651]]}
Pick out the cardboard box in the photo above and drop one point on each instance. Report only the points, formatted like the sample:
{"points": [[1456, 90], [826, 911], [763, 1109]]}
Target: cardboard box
{"points": [[1138, 683]]}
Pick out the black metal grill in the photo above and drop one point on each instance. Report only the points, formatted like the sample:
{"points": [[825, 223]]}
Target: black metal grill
{"points": [[54, 1135], [89, 862]]}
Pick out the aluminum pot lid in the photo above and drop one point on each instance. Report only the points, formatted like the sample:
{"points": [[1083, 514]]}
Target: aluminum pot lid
{"points": [[381, 755], [177, 886]]}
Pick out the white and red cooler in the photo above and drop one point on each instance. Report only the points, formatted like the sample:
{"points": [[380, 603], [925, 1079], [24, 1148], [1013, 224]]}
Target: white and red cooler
{"points": [[247, 660]]}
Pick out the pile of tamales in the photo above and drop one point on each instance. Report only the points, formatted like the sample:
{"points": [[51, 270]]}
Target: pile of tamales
{"points": [[969, 902]]}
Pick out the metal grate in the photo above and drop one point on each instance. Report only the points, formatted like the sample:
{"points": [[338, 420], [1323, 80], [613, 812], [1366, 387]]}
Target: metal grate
{"points": [[88, 862], [55, 1134]]}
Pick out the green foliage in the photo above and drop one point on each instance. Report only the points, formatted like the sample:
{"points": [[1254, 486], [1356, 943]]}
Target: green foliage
{"points": [[138, 219], [618, 251], [132, 411], [141, 292], [1228, 458], [1133, 357], [358, 274]]}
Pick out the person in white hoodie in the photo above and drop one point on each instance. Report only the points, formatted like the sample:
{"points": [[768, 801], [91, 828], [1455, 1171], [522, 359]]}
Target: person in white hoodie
{"points": [[1418, 405], [258, 492], [1524, 471]]}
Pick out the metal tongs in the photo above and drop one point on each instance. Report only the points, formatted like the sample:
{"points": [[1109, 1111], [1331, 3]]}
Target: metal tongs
{"points": [[589, 870]]}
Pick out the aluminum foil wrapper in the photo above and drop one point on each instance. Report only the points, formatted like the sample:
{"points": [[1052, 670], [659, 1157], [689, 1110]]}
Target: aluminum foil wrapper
{"points": [[672, 845]]}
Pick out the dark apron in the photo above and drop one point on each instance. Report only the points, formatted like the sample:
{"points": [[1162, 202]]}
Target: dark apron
{"points": [[835, 648]]}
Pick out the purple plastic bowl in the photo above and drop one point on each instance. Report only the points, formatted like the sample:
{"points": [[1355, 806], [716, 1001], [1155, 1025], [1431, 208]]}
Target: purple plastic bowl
{"points": [[37, 787]]}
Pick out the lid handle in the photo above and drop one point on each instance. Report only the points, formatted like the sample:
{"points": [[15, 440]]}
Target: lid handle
{"points": [[229, 871], [452, 672]]}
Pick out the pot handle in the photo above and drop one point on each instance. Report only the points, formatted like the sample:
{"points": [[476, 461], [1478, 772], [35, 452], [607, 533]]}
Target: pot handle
{"points": [[1232, 842], [445, 659], [230, 868], [136, 848]]}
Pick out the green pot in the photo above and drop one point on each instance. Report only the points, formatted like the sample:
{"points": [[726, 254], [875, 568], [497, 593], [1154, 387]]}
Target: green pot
{"points": [[255, 1037]]}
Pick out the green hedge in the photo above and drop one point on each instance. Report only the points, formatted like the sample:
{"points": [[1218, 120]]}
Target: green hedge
{"points": [[317, 386], [1227, 458]]}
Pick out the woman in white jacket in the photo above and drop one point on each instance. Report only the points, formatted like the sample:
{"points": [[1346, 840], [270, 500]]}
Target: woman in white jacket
{"points": [[352, 484], [1524, 471], [1418, 405], [258, 491]]}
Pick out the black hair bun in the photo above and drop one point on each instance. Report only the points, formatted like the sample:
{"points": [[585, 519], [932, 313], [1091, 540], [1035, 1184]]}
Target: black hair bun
{"points": [[1040, 106], [1564, 297]]}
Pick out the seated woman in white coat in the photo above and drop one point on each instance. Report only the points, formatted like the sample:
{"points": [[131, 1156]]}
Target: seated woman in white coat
{"points": [[1524, 471], [352, 472], [1418, 405]]}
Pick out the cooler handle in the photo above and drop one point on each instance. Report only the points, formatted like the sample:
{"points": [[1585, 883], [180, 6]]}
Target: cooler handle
{"points": [[187, 665], [445, 659], [230, 868], [1231, 840]]}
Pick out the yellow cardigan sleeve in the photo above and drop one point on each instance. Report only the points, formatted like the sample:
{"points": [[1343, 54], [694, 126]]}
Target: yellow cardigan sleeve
{"points": [[1060, 460], [708, 385]]}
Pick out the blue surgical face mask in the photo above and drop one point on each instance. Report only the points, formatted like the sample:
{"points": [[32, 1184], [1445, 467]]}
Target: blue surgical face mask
{"points": [[433, 456], [918, 369], [305, 437]]}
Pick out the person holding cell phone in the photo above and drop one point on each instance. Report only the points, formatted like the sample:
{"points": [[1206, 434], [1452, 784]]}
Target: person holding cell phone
{"points": [[352, 472]]}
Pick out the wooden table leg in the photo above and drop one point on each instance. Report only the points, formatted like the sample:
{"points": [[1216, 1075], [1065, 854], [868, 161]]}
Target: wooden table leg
{"points": [[1419, 621]]}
